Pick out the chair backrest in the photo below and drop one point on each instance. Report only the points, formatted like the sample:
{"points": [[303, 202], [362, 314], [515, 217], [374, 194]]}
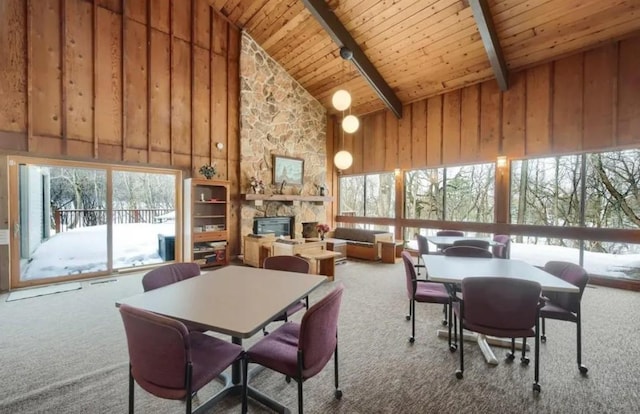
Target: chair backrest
{"points": [[501, 302], [168, 274], [319, 332], [572, 273], [502, 250], [286, 263], [159, 350], [467, 251], [450, 233], [423, 244], [481, 244], [410, 273]]}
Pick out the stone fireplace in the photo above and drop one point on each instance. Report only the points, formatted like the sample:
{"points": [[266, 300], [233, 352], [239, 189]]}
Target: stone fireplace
{"points": [[278, 116]]}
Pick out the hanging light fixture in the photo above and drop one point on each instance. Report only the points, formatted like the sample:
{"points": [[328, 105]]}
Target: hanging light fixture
{"points": [[341, 100]]}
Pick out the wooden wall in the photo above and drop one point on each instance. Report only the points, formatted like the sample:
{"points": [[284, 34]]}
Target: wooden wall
{"points": [[140, 81], [121, 81], [588, 101]]}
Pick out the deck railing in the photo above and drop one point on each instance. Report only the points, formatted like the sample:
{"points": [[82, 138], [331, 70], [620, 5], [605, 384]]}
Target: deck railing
{"points": [[66, 220]]}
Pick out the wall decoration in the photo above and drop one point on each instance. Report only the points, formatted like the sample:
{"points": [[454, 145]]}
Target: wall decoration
{"points": [[288, 170]]}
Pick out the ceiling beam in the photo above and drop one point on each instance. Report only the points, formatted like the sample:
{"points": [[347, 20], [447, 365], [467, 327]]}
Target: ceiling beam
{"points": [[482, 16], [350, 50]]}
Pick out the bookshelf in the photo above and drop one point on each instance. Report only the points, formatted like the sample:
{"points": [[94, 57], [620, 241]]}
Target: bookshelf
{"points": [[206, 218]]}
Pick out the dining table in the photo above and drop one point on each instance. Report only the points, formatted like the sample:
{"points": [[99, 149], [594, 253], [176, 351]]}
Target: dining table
{"points": [[453, 269], [233, 300]]}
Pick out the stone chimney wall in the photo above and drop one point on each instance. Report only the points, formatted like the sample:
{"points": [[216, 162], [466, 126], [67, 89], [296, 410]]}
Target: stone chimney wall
{"points": [[278, 116]]}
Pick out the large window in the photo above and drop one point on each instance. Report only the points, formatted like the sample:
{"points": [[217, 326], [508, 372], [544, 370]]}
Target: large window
{"points": [[464, 193], [370, 195], [597, 190]]}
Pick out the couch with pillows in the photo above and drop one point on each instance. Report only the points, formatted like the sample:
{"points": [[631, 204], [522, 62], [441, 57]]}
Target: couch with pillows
{"points": [[361, 243]]}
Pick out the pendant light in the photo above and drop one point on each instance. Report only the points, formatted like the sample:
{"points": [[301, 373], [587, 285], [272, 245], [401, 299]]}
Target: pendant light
{"points": [[341, 100]]}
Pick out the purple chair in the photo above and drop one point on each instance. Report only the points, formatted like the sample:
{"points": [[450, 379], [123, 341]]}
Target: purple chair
{"points": [[502, 307], [168, 274], [167, 360], [422, 291], [566, 306], [481, 244], [301, 350], [423, 248], [502, 250], [288, 264], [448, 233], [467, 251]]}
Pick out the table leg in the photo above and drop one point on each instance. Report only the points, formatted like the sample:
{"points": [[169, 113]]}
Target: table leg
{"points": [[484, 342]]}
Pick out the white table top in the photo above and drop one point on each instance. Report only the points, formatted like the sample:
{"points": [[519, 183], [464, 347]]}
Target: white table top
{"points": [[452, 269], [449, 240], [233, 300]]}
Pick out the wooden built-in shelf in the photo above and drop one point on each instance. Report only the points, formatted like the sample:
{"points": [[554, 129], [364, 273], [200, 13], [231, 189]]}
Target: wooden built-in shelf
{"points": [[284, 198]]}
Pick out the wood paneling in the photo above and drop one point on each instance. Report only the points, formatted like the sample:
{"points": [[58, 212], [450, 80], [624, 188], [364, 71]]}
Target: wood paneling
{"points": [[566, 127], [566, 106], [628, 104], [13, 56], [45, 53], [391, 142], [106, 85]]}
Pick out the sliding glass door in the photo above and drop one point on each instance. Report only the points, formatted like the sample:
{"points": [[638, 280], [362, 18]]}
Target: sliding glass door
{"points": [[77, 220]]}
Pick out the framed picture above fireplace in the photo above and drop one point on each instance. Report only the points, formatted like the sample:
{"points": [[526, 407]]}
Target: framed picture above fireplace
{"points": [[287, 169]]}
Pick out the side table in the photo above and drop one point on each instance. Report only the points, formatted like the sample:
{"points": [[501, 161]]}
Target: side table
{"points": [[391, 250]]}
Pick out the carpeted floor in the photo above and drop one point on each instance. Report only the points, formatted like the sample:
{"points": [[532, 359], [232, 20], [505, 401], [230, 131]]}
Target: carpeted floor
{"points": [[66, 353]]}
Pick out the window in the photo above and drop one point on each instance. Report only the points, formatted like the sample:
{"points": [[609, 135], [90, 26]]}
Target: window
{"points": [[549, 192], [370, 195], [546, 191]]}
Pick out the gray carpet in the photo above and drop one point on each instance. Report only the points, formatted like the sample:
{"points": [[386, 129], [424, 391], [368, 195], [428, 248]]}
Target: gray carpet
{"points": [[66, 353]]}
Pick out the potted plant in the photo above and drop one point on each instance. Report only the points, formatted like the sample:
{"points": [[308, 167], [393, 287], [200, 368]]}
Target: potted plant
{"points": [[322, 229]]}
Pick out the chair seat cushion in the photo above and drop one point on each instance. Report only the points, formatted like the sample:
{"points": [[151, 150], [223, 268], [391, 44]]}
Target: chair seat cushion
{"points": [[298, 306], [278, 350], [552, 311], [431, 292]]}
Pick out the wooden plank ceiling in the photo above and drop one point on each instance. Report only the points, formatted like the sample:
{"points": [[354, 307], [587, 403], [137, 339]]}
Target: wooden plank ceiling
{"points": [[424, 47]]}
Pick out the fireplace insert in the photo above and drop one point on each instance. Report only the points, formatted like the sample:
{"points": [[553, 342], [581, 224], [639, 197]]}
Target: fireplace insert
{"points": [[280, 226]]}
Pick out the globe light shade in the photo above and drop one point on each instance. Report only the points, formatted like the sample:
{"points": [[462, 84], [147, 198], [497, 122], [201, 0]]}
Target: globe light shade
{"points": [[350, 124], [341, 100], [343, 160]]}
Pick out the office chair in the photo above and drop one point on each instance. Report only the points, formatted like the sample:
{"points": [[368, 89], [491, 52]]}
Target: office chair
{"points": [[501, 307], [289, 264], [422, 291], [301, 350], [167, 360], [566, 306]]}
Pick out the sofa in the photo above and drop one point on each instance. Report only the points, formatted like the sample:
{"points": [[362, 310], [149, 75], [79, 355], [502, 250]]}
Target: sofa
{"points": [[361, 243]]}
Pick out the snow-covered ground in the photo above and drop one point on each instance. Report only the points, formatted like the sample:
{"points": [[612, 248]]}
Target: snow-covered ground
{"points": [[602, 264], [84, 250]]}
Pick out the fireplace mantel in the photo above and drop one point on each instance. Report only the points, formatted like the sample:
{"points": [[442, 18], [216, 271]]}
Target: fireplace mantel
{"points": [[287, 198]]}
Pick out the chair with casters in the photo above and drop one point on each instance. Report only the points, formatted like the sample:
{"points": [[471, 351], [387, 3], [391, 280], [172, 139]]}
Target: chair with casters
{"points": [[566, 306], [481, 244], [423, 248], [447, 233], [502, 250], [421, 290], [168, 274], [168, 361], [467, 251], [289, 264], [172, 273], [501, 307], [301, 350]]}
